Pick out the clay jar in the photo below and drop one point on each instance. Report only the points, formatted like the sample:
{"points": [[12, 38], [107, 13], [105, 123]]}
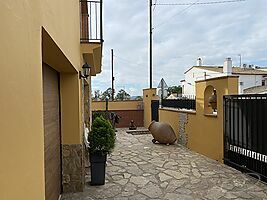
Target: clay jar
{"points": [[162, 133]]}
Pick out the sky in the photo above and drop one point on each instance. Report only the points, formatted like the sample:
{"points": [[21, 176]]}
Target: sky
{"points": [[181, 34]]}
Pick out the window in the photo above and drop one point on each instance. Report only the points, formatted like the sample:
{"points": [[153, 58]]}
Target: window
{"points": [[241, 83], [263, 82]]}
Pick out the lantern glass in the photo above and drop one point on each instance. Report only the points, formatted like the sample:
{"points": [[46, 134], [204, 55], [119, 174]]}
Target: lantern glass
{"points": [[86, 68]]}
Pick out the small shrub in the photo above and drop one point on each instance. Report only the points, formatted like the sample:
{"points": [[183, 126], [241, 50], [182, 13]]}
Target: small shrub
{"points": [[102, 137], [99, 114]]}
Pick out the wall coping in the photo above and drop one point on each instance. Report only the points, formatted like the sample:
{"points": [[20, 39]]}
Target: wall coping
{"points": [[114, 110], [117, 101], [179, 110], [216, 78], [210, 115], [149, 89]]}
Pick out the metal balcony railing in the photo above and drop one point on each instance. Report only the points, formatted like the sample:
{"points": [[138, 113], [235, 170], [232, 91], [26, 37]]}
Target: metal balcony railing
{"points": [[91, 21]]}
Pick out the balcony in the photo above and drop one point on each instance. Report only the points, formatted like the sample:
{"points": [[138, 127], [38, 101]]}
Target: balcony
{"points": [[91, 21], [92, 33]]}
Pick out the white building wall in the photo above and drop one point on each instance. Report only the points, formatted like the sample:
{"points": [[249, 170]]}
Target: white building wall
{"points": [[196, 74], [247, 81]]}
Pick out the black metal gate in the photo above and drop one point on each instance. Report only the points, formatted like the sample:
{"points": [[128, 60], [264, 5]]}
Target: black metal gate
{"points": [[155, 110], [245, 133]]}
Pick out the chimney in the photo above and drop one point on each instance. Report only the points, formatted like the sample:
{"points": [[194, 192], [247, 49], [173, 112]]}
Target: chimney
{"points": [[199, 61], [227, 66]]}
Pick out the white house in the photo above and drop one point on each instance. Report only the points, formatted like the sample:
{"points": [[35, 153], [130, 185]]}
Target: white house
{"points": [[249, 75]]}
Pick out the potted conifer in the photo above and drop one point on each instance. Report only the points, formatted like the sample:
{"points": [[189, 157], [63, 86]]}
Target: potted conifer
{"points": [[102, 141]]}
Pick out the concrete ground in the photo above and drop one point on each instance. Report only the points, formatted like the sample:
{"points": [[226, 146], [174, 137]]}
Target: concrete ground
{"points": [[139, 169]]}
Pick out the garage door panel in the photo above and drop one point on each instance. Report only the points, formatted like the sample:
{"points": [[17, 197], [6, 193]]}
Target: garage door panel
{"points": [[52, 139]]}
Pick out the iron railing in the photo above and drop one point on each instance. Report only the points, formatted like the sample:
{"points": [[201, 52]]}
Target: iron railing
{"points": [[91, 21], [185, 102], [245, 133]]}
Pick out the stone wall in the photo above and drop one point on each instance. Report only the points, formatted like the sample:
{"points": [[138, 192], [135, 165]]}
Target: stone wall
{"points": [[73, 168], [183, 138]]}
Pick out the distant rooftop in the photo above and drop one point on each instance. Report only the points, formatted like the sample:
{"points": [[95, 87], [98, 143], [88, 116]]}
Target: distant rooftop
{"points": [[236, 70], [256, 89]]}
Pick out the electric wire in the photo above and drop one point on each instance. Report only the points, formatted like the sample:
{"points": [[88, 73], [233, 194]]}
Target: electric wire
{"points": [[198, 3], [155, 4], [189, 5], [124, 60], [128, 61], [179, 13]]}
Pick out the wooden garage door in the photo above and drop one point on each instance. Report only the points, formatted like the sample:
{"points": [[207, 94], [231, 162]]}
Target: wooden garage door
{"points": [[52, 139]]}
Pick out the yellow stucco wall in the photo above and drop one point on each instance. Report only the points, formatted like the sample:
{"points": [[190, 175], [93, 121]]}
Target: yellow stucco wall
{"points": [[148, 95], [205, 132], [171, 117], [70, 115], [21, 104], [61, 19], [117, 105]]}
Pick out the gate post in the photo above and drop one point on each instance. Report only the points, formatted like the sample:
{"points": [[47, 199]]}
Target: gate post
{"points": [[148, 96]]}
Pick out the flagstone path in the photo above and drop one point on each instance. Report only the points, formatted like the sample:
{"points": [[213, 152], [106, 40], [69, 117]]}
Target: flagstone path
{"points": [[139, 170]]}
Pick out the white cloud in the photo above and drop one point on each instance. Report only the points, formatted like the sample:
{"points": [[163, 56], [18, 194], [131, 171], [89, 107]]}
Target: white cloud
{"points": [[211, 31]]}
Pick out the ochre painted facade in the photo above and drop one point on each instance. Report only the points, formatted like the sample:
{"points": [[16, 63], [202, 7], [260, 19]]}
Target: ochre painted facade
{"points": [[33, 32], [148, 96], [171, 117], [204, 131]]}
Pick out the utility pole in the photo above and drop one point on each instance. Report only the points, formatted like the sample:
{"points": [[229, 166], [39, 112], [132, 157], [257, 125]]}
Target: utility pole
{"points": [[162, 90], [112, 75], [150, 43]]}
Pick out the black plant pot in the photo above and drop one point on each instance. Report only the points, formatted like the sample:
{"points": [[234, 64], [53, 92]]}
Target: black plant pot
{"points": [[98, 169]]}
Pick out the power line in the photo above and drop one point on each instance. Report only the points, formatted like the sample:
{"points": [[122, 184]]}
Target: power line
{"points": [[198, 3], [189, 5], [124, 60], [155, 4], [128, 61], [179, 13]]}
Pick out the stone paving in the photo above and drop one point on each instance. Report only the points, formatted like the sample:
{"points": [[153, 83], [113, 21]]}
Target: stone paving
{"points": [[139, 169]]}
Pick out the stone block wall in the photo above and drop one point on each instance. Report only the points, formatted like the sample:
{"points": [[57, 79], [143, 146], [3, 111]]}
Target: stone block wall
{"points": [[183, 120], [73, 168]]}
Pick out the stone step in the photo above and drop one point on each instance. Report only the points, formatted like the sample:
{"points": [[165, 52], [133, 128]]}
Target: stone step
{"points": [[138, 132]]}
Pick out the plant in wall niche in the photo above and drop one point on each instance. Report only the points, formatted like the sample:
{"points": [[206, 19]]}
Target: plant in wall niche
{"points": [[102, 141]]}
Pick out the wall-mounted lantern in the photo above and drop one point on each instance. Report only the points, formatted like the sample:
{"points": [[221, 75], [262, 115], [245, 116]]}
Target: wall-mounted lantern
{"points": [[85, 71]]}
